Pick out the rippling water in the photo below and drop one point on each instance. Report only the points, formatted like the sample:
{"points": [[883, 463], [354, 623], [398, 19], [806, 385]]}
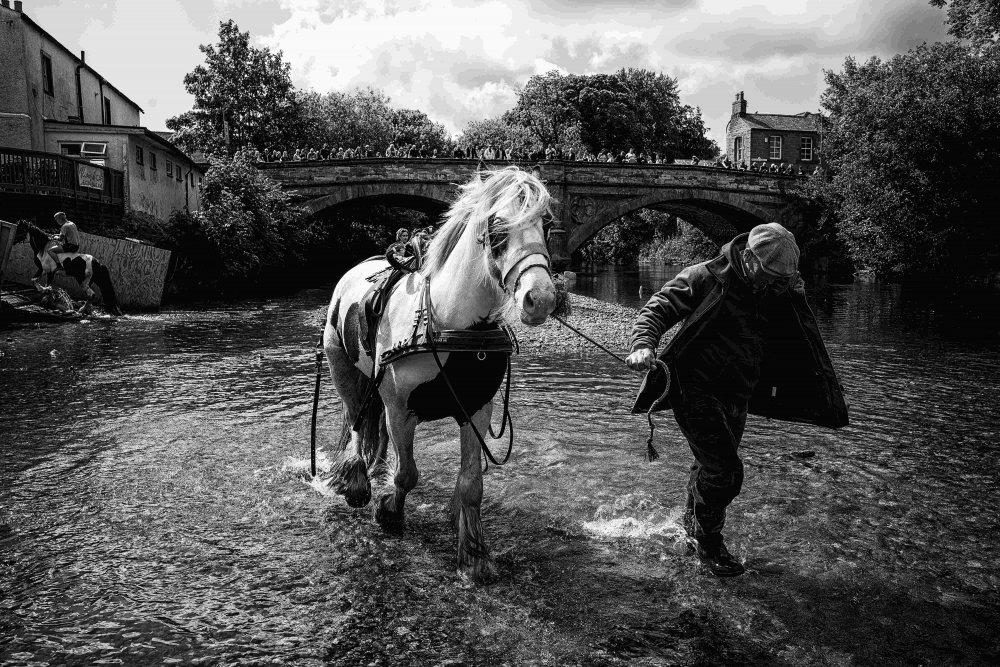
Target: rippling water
{"points": [[154, 508]]}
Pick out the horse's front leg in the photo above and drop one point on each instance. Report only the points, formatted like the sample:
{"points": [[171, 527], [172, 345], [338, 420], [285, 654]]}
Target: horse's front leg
{"points": [[401, 425], [473, 555]]}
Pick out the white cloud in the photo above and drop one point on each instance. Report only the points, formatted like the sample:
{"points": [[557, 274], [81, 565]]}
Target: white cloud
{"points": [[459, 60]]}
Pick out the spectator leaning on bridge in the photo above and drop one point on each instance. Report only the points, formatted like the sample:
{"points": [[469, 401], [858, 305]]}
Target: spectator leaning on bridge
{"points": [[749, 342]]}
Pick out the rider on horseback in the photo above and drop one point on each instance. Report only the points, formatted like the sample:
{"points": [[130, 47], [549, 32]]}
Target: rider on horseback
{"points": [[67, 240]]}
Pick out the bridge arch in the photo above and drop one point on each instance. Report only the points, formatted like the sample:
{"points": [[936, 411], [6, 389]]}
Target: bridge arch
{"points": [[720, 215], [425, 197]]}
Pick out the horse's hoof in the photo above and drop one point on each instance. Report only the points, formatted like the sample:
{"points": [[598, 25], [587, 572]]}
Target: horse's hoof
{"points": [[480, 571], [358, 498], [386, 516], [354, 484]]}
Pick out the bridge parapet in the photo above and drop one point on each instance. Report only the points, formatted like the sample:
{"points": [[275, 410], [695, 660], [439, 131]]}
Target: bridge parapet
{"points": [[588, 195]]}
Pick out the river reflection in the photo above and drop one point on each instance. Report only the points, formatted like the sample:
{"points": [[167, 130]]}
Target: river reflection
{"points": [[153, 507]]}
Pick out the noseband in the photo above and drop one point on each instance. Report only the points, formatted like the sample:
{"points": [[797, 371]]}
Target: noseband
{"points": [[512, 261]]}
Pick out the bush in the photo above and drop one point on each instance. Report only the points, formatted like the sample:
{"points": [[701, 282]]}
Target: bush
{"points": [[248, 232], [687, 246]]}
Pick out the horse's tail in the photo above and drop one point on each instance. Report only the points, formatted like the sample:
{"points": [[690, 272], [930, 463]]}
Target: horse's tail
{"points": [[369, 420], [102, 278]]}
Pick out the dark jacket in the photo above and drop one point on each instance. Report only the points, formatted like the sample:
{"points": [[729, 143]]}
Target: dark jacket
{"points": [[797, 381]]}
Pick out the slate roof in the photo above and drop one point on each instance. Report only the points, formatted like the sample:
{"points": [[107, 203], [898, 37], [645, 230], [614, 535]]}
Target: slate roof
{"points": [[803, 122]]}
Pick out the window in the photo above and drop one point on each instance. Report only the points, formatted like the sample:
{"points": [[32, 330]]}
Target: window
{"points": [[138, 155], [170, 169], [178, 173], [806, 148], [47, 83], [107, 112], [91, 151], [738, 149], [152, 160], [775, 144]]}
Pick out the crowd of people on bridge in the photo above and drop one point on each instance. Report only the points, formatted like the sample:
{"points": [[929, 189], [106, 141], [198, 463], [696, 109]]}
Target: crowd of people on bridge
{"points": [[543, 153]]}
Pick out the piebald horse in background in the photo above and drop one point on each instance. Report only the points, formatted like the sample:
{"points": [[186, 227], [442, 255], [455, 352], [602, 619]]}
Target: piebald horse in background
{"points": [[85, 268], [487, 263]]}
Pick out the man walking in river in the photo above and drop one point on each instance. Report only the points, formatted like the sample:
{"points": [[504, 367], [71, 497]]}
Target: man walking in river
{"points": [[749, 343]]}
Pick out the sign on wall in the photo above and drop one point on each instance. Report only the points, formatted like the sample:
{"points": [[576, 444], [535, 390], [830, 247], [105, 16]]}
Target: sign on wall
{"points": [[90, 177]]}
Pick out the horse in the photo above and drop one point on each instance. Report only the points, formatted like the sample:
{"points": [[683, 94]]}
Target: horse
{"points": [[486, 264], [85, 268]]}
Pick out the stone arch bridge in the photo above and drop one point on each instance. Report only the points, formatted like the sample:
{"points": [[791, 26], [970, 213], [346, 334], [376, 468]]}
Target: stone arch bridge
{"points": [[589, 195]]}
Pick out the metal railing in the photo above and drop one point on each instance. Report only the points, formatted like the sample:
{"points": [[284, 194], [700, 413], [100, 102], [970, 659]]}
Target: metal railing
{"points": [[37, 173]]}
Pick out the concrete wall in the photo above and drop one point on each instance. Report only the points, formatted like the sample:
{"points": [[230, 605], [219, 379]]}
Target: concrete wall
{"points": [[22, 89], [138, 271], [153, 191], [17, 131]]}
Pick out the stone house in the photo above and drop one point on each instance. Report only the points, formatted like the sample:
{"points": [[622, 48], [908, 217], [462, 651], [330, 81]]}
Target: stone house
{"points": [[70, 140], [758, 137]]}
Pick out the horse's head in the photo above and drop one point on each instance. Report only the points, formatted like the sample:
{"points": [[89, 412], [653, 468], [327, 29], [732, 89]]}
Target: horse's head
{"points": [[37, 238], [493, 235], [516, 239]]}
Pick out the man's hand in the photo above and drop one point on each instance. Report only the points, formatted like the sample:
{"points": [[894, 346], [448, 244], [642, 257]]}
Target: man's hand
{"points": [[640, 360]]}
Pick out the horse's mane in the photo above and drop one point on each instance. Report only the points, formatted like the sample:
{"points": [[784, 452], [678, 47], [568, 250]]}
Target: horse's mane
{"points": [[519, 195]]}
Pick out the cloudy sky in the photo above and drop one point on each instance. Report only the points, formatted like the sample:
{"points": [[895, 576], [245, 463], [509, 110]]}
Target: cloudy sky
{"points": [[459, 60]]}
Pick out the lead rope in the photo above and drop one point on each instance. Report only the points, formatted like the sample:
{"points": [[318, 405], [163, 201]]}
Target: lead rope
{"points": [[319, 374], [651, 453]]}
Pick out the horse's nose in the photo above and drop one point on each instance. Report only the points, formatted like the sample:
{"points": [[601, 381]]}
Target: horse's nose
{"points": [[537, 304]]}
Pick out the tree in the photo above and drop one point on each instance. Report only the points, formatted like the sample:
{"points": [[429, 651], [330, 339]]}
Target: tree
{"points": [[975, 20], [542, 107], [914, 151], [243, 97], [250, 225], [632, 108], [410, 126], [498, 131]]}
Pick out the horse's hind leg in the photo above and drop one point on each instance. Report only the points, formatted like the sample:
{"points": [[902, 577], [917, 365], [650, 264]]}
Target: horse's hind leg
{"points": [[473, 556], [401, 426], [351, 478]]}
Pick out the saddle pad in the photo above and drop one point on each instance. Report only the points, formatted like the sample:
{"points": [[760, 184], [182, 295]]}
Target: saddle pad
{"points": [[373, 306]]}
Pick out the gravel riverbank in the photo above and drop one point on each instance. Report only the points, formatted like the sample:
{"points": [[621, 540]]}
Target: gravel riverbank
{"points": [[607, 323]]}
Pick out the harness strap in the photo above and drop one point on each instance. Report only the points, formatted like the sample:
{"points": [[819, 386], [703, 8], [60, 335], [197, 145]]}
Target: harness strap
{"points": [[526, 251]]}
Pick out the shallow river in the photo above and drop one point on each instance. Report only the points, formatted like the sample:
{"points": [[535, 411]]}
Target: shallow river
{"points": [[154, 508]]}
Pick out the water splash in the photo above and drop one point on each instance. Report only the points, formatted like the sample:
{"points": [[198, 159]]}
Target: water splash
{"points": [[614, 522]]}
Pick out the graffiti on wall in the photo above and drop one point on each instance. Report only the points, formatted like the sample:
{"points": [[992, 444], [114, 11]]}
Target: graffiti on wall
{"points": [[138, 271]]}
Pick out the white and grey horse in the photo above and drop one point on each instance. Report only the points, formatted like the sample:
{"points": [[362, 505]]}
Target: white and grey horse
{"points": [[487, 263]]}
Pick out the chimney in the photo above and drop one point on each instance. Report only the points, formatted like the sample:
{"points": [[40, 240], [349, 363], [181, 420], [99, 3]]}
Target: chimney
{"points": [[17, 5], [83, 56], [740, 105], [5, 3]]}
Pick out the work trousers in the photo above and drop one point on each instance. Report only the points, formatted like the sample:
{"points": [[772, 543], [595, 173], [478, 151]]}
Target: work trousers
{"points": [[713, 428]]}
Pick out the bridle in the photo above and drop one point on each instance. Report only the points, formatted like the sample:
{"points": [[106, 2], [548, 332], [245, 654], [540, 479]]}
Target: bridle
{"points": [[502, 272]]}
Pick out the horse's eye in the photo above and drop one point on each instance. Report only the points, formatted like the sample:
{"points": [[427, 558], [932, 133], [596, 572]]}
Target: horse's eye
{"points": [[498, 241]]}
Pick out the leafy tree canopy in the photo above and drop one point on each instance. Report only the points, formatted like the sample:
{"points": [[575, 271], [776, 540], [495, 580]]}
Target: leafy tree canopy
{"points": [[915, 154], [632, 108], [363, 117], [243, 96], [975, 20]]}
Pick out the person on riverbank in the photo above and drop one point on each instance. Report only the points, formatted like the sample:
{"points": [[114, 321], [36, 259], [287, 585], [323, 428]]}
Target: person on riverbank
{"points": [[67, 240], [749, 343]]}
